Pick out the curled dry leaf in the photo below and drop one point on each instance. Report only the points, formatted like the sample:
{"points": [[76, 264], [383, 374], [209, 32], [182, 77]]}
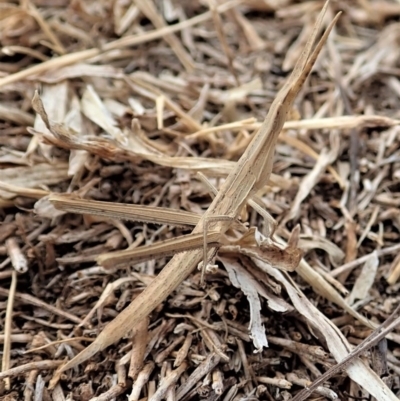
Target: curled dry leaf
{"points": [[67, 138], [242, 279], [18, 179], [45, 208]]}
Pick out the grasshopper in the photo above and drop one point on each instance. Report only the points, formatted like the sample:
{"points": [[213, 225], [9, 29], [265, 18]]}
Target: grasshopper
{"points": [[250, 174], [286, 259]]}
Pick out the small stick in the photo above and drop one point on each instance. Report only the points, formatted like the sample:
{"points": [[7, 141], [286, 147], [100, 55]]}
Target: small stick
{"points": [[110, 394], [18, 259], [183, 351], [221, 36], [218, 381], [142, 379], [246, 366], [202, 370], [168, 381], [5, 365], [17, 338], [29, 384], [327, 393], [139, 342], [121, 374], [163, 355], [275, 381], [29, 299], [21, 369], [354, 263]]}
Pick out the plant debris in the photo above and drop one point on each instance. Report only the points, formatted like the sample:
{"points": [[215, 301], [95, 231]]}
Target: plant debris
{"points": [[184, 215]]}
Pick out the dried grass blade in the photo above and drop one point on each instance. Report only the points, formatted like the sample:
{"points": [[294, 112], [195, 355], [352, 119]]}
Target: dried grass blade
{"points": [[21, 191], [322, 287], [326, 158], [126, 41], [147, 7], [296, 143], [16, 179]]}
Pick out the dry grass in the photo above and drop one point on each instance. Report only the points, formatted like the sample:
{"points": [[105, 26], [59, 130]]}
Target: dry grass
{"points": [[143, 112]]}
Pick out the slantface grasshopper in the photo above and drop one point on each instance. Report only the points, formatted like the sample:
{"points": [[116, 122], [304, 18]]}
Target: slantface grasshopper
{"points": [[286, 259], [251, 174]]}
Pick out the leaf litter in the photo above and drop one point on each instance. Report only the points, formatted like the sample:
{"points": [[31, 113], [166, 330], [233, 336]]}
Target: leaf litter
{"points": [[110, 112]]}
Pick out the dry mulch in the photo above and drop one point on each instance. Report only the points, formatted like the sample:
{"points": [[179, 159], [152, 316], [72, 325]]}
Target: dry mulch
{"points": [[143, 96]]}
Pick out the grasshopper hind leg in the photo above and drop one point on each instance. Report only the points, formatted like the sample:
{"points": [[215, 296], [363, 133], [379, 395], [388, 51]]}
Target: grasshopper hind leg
{"points": [[208, 263]]}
